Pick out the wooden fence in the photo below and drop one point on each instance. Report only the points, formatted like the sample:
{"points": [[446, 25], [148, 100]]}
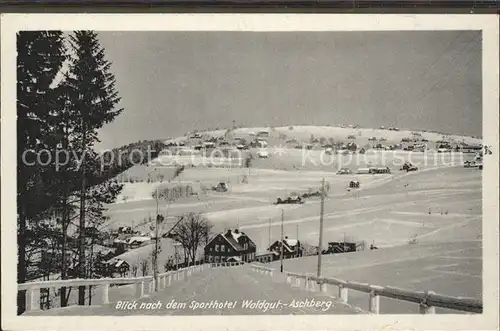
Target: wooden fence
{"points": [[226, 264], [163, 280], [428, 300]]}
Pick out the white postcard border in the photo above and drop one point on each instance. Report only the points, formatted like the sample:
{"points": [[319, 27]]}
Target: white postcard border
{"points": [[489, 24]]}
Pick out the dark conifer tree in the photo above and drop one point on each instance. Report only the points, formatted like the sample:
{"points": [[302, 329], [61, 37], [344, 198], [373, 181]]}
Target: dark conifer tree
{"points": [[93, 98], [40, 55]]}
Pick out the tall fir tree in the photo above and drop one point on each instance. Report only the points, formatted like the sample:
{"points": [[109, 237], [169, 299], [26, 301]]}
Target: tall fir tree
{"points": [[93, 97], [40, 55]]}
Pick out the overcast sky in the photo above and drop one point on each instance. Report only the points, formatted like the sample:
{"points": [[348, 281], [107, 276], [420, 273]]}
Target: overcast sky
{"points": [[174, 82]]}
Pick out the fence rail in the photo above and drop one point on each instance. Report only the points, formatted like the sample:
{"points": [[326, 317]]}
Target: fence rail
{"points": [[163, 280], [226, 264], [428, 300]]}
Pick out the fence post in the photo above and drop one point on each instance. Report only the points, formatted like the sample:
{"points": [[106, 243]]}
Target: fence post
{"points": [[323, 286], [297, 281], [271, 272], [307, 283], [312, 286], [151, 286], [157, 283], [169, 280], [343, 293], [31, 299], [288, 279], [374, 302], [424, 307], [139, 289], [105, 294]]}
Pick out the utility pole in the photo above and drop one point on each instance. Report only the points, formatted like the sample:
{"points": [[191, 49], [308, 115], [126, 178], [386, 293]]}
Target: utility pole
{"points": [[343, 248], [155, 266], [297, 238], [176, 257], [320, 243], [281, 244], [269, 234]]}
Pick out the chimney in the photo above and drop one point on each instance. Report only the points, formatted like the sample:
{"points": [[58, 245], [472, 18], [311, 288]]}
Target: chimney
{"points": [[236, 231], [286, 237], [228, 233]]}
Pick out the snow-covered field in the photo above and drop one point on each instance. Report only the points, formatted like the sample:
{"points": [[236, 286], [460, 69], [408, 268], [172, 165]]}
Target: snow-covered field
{"points": [[387, 209], [286, 169], [441, 202]]}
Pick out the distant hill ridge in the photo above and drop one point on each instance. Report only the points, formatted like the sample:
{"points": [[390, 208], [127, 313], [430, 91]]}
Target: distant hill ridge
{"points": [[304, 132]]}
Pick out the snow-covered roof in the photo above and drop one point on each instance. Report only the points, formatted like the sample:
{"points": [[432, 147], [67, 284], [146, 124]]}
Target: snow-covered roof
{"points": [[291, 242], [119, 263], [235, 258], [139, 239], [236, 235]]}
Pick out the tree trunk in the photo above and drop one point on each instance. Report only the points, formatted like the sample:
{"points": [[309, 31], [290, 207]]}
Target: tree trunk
{"points": [[64, 302], [81, 251], [90, 273], [64, 222], [194, 255], [21, 251]]}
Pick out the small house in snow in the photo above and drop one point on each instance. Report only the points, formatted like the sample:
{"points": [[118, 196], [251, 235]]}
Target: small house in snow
{"points": [[263, 134], [117, 266], [231, 245], [291, 248], [135, 242]]}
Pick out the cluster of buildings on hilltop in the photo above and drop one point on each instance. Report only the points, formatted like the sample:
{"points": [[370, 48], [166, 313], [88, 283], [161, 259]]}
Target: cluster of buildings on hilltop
{"points": [[197, 143]]}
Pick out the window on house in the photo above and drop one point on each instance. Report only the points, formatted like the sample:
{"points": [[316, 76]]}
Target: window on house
{"points": [[222, 248], [216, 248]]}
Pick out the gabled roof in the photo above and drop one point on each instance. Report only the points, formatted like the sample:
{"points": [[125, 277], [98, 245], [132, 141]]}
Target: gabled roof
{"points": [[289, 244], [234, 258], [138, 239], [233, 241], [120, 263], [232, 238]]}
